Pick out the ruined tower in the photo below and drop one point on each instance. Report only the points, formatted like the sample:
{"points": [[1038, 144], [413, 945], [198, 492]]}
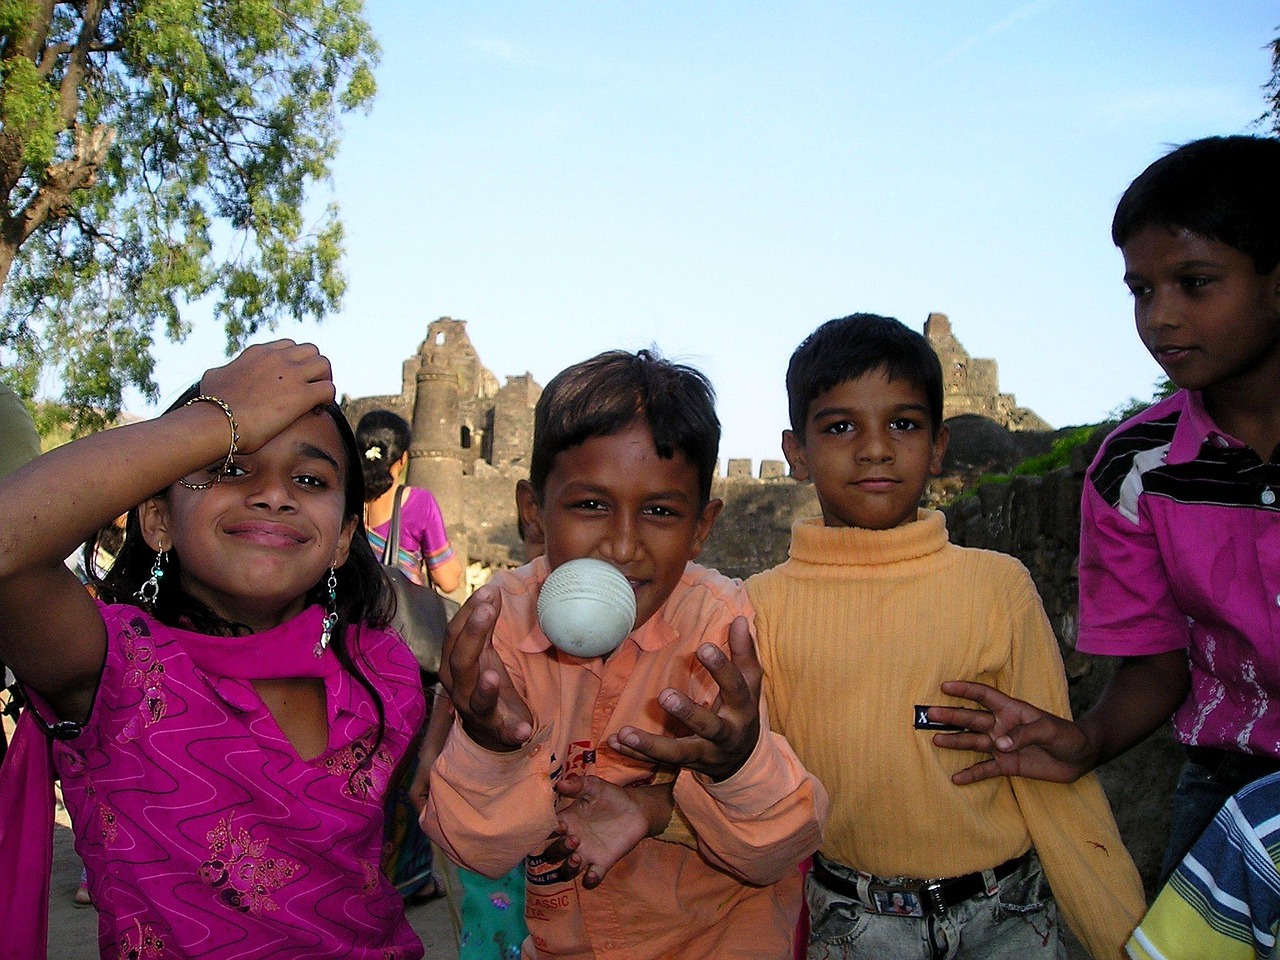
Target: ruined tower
{"points": [[972, 384], [434, 462]]}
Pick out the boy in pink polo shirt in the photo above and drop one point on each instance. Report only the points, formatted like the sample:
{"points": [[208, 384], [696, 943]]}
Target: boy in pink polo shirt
{"points": [[624, 449], [1180, 531]]}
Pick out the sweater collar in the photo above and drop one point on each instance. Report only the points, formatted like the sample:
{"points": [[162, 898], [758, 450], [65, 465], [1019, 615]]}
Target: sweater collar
{"points": [[812, 542]]}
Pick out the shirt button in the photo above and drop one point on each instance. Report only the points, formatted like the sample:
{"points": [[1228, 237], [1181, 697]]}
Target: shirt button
{"points": [[1278, 599], [1268, 497]]}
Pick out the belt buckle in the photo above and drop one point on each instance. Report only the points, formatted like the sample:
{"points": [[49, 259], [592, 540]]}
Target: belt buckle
{"points": [[898, 901], [932, 894]]}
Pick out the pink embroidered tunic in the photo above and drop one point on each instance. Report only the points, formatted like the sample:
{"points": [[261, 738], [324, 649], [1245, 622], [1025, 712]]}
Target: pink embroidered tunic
{"points": [[203, 831]]}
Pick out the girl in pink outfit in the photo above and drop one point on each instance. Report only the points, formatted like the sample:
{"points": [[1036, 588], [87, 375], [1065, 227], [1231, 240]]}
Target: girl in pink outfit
{"points": [[225, 718]]}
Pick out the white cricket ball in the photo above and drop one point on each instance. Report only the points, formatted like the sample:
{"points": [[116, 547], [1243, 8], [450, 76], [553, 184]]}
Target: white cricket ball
{"points": [[586, 607]]}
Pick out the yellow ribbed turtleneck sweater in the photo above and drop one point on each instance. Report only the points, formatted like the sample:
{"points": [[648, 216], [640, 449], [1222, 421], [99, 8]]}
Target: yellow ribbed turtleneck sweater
{"points": [[859, 626]]}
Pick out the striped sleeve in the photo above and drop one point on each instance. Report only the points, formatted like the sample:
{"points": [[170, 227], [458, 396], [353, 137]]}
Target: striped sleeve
{"points": [[1224, 899]]}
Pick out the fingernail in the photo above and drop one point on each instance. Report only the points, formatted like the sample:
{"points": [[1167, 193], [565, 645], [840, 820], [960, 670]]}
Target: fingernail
{"points": [[1004, 743]]}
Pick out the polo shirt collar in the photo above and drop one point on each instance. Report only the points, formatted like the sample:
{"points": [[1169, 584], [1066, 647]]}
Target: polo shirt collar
{"points": [[1196, 428]]}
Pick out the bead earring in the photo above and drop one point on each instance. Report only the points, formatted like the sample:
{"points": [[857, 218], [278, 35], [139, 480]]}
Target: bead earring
{"points": [[150, 589], [330, 615]]}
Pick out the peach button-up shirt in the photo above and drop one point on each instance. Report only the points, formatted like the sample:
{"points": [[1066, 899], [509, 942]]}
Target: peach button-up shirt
{"points": [[736, 896]]}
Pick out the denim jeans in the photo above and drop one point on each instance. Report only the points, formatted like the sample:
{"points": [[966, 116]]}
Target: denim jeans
{"points": [[1018, 922]]}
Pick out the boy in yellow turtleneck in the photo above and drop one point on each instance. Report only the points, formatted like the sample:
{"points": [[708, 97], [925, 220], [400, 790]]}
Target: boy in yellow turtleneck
{"points": [[857, 630]]}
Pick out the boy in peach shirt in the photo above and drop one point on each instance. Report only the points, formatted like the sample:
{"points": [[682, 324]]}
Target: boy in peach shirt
{"points": [[625, 446]]}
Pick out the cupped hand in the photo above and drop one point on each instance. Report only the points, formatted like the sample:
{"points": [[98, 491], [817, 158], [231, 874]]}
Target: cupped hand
{"points": [[721, 738], [492, 712], [602, 825], [1023, 740]]}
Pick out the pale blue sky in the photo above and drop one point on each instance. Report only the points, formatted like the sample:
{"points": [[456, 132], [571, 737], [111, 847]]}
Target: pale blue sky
{"points": [[718, 178]]}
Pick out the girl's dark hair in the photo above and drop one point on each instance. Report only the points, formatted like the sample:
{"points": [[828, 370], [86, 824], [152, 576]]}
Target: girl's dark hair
{"points": [[364, 598], [1222, 188], [844, 349], [382, 437], [602, 396]]}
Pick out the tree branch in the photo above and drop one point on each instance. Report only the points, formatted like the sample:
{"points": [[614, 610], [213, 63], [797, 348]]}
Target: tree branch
{"points": [[37, 33], [69, 90], [52, 198]]}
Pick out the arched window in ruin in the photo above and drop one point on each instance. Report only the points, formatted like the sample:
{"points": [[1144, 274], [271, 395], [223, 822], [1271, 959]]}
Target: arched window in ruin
{"points": [[465, 438]]}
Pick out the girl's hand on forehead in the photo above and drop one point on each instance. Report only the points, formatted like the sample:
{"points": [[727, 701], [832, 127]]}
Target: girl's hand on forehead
{"points": [[269, 386]]}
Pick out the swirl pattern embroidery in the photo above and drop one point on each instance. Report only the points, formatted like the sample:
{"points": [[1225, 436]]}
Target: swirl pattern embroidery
{"points": [[362, 771], [242, 870], [143, 671], [149, 944]]}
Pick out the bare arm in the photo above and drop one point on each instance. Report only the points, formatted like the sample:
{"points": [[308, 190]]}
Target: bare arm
{"points": [[447, 575], [1142, 694], [1025, 741], [50, 632]]}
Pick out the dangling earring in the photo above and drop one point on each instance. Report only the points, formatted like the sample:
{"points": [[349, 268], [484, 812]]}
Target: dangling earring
{"points": [[150, 589], [330, 615]]}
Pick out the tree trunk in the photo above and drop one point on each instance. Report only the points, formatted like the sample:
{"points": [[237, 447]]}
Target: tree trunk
{"points": [[52, 200]]}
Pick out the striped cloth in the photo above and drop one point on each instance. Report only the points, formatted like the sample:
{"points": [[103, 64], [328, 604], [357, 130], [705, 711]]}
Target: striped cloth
{"points": [[1223, 902]]}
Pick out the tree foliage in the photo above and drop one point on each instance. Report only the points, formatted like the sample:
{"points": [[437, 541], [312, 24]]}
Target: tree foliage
{"points": [[1272, 116], [154, 152]]}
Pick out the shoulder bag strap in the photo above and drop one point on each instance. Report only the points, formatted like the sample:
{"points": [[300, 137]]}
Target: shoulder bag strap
{"points": [[391, 549]]}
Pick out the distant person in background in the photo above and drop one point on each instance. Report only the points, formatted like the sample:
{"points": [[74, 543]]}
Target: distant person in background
{"points": [[19, 443], [424, 554], [424, 546]]}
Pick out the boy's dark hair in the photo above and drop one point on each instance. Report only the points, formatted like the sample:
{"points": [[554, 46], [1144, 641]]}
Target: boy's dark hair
{"points": [[845, 349], [387, 434], [602, 396], [1222, 188], [363, 596]]}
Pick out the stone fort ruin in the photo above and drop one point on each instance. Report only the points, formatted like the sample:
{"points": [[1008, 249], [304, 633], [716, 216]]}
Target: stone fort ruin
{"points": [[972, 385], [472, 436]]}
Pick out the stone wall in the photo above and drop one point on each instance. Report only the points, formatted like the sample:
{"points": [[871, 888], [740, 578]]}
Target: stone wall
{"points": [[512, 427], [754, 528]]}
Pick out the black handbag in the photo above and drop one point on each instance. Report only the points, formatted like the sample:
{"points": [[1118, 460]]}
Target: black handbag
{"points": [[421, 614]]}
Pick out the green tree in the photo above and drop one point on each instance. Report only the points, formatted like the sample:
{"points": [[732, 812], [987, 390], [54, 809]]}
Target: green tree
{"points": [[154, 152]]}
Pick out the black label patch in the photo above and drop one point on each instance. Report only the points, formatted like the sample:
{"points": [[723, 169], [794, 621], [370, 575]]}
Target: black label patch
{"points": [[922, 722]]}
